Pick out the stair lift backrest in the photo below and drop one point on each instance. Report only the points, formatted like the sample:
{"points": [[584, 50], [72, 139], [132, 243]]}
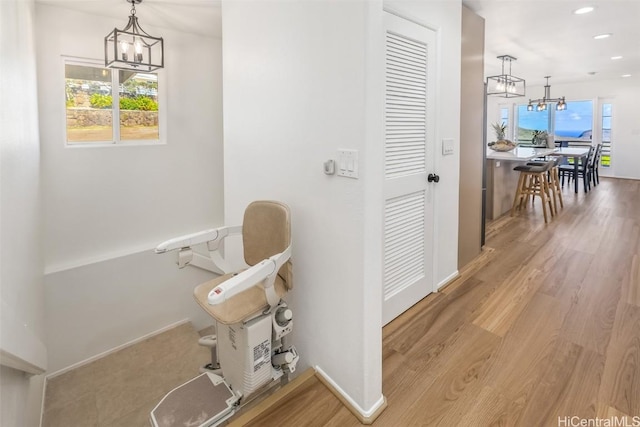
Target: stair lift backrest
{"points": [[266, 231]]}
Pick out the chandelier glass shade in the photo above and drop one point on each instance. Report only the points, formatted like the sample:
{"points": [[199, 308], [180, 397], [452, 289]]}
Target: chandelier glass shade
{"points": [[132, 48], [506, 85], [541, 103]]}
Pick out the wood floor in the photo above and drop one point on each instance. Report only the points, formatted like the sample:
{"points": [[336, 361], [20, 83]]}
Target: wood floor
{"points": [[543, 326], [545, 323]]}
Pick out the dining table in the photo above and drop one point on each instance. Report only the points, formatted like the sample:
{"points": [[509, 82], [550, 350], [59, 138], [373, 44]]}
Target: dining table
{"points": [[578, 154]]}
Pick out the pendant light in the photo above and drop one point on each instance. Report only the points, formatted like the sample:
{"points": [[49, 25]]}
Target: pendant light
{"points": [[541, 103], [132, 48], [506, 85]]}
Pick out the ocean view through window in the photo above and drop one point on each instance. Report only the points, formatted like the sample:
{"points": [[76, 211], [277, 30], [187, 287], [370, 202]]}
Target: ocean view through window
{"points": [[573, 125], [530, 121]]}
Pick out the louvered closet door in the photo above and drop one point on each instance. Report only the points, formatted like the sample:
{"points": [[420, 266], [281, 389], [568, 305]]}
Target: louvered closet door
{"points": [[409, 138]]}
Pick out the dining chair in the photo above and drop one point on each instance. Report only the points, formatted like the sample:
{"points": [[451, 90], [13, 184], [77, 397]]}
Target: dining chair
{"points": [[584, 170], [595, 176]]}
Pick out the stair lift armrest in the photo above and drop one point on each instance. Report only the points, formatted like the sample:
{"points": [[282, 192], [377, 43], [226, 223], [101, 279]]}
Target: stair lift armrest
{"points": [[212, 237], [241, 282], [281, 258], [265, 271]]}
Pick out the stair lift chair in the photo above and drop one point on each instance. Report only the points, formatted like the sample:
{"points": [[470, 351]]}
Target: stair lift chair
{"points": [[249, 352]]}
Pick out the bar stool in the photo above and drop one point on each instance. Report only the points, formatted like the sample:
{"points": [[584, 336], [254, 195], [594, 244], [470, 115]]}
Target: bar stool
{"points": [[554, 180], [533, 181]]}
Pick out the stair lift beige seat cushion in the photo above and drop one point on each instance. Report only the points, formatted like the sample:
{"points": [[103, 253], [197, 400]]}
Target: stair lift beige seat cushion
{"points": [[239, 307], [266, 231]]}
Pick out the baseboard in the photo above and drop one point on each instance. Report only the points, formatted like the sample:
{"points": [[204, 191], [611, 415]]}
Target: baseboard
{"points": [[631, 178], [256, 411], [20, 347], [118, 348], [448, 280], [364, 416]]}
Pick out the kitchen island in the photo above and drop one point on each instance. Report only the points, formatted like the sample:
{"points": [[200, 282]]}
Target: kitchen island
{"points": [[502, 180]]}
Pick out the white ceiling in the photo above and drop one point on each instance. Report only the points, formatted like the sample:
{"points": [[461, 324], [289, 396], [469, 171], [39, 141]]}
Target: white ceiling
{"points": [[549, 40], [545, 35], [201, 17]]}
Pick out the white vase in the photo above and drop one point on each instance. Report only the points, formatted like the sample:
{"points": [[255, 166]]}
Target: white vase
{"points": [[551, 141]]}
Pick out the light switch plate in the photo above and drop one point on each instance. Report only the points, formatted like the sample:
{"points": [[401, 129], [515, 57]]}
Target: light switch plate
{"points": [[447, 146], [347, 163]]}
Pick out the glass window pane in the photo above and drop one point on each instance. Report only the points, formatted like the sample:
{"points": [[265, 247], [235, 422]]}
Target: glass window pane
{"points": [[605, 159], [504, 118], [574, 123], [606, 128], [88, 104], [529, 121], [138, 106]]}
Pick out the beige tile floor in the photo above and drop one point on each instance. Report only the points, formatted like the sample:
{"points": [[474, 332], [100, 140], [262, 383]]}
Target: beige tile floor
{"points": [[120, 389]]}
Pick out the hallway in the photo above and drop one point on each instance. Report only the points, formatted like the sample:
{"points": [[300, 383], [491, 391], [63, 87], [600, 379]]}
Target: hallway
{"points": [[543, 325]]}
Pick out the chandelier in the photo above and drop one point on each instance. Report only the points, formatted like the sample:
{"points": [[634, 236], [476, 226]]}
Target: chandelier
{"points": [[506, 85], [132, 48], [541, 103]]}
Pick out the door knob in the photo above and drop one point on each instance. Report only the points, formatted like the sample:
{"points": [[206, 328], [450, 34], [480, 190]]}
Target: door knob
{"points": [[432, 177]]}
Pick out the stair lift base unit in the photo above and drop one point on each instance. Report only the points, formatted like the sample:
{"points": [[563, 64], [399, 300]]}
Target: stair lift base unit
{"points": [[245, 350], [250, 353], [245, 354]]}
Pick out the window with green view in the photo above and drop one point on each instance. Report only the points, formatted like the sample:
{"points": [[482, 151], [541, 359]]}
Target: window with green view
{"points": [[97, 97], [605, 159]]}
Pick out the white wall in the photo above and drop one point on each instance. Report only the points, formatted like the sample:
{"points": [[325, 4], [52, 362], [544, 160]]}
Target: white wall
{"points": [[301, 80], [114, 200], [107, 207], [623, 94], [295, 91], [21, 280], [95, 308]]}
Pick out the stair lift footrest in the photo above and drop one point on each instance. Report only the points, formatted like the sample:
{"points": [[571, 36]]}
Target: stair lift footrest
{"points": [[207, 395]]}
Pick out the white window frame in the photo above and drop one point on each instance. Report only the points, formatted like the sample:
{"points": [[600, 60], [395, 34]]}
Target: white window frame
{"points": [[115, 93], [608, 170]]}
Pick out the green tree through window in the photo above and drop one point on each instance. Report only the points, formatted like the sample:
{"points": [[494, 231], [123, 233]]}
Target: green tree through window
{"points": [[90, 91]]}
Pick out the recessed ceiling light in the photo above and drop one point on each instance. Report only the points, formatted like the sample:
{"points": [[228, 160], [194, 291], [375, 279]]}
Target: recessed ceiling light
{"points": [[583, 10], [602, 36], [616, 57], [626, 75]]}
